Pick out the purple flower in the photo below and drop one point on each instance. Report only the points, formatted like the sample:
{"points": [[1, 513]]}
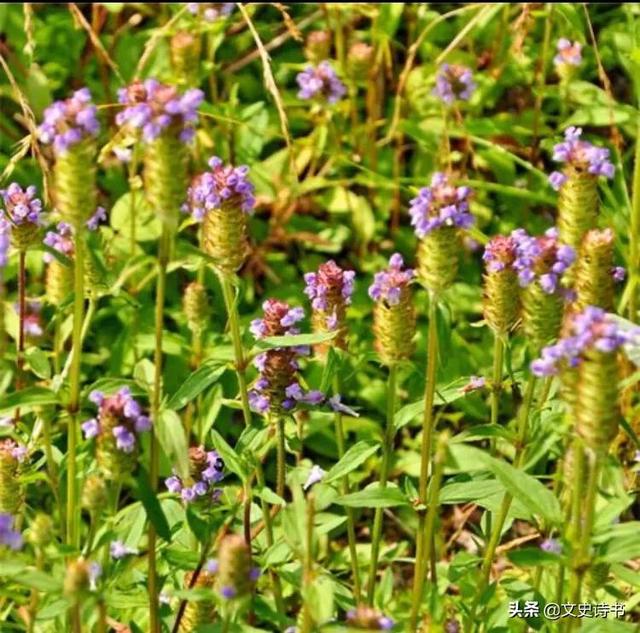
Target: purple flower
{"points": [[329, 286], [228, 592], [475, 383], [153, 108], [90, 428], [8, 536], [313, 397], [320, 82], [551, 545], [173, 484], [95, 571], [118, 550], [440, 204], [212, 566], [500, 253], [388, 284], [385, 623], [581, 156], [541, 259], [99, 216], [454, 82], [592, 328], [618, 273], [21, 206], [258, 402], [222, 185], [315, 475], [336, 404], [60, 240], [211, 11], [568, 53], [67, 123], [125, 439]]}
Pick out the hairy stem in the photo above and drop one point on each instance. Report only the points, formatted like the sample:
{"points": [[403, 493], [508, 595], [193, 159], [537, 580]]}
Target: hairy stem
{"points": [[346, 488], [163, 260], [421, 561], [73, 509], [634, 257], [281, 457], [387, 451]]}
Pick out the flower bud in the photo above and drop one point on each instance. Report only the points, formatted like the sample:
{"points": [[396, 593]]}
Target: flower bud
{"points": [[185, 57], [201, 612], [236, 576], [195, 304], [360, 60], [11, 492], [368, 618], [94, 494], [598, 575], [22, 209], [80, 578], [594, 283], [41, 531], [318, 46]]}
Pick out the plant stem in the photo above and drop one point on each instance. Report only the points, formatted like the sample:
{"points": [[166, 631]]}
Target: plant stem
{"points": [[634, 259], [268, 528], [73, 509], [496, 532], [425, 458], [496, 386], [22, 313], [387, 451], [346, 488], [236, 337], [307, 620], [583, 525], [281, 457], [163, 260]]}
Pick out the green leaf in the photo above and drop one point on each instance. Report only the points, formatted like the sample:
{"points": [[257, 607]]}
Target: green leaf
{"points": [[355, 456], [198, 526], [196, 383], [528, 490], [230, 457], [533, 557], [151, 505], [38, 362], [374, 497], [291, 340], [172, 438], [28, 398], [266, 494], [147, 223]]}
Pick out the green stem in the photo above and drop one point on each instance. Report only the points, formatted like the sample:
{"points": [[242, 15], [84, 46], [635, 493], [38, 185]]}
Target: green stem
{"points": [[281, 457], [496, 532], [582, 527], [634, 237], [387, 452], [421, 560], [236, 337], [496, 386], [268, 529], [22, 313], [346, 489], [73, 509], [163, 260], [307, 619]]}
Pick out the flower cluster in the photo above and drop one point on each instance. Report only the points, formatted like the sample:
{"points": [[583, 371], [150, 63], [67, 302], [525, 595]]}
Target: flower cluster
{"points": [[330, 291], [118, 550], [388, 284], [99, 216], [454, 82], [154, 107], [206, 469], [543, 259], [235, 573], [120, 414], [364, 617], [320, 81], [581, 156], [593, 328], [440, 204], [60, 240], [501, 252], [569, 53], [224, 184], [21, 206], [67, 123], [211, 11], [8, 535]]}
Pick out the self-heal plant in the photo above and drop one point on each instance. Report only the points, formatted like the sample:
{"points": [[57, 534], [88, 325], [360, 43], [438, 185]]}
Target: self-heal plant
{"points": [[541, 263], [454, 83], [568, 58], [23, 210], [577, 184], [320, 82], [119, 422], [206, 469], [12, 455], [437, 213]]}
